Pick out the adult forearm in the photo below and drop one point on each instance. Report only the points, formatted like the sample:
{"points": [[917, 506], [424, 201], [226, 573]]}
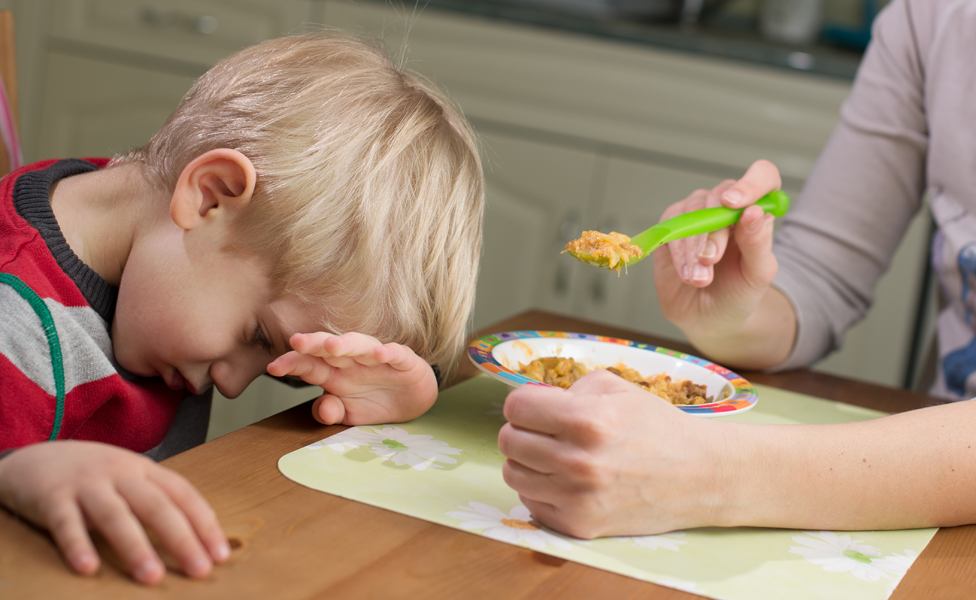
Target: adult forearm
{"points": [[915, 469], [761, 340]]}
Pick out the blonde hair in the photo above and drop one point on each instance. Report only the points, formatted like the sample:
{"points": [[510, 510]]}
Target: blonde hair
{"points": [[369, 190]]}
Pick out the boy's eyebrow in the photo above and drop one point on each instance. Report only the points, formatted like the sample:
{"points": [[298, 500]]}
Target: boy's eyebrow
{"points": [[280, 339], [281, 336]]}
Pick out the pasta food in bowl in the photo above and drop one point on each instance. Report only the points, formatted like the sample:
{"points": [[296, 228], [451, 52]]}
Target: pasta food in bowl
{"points": [[693, 384]]}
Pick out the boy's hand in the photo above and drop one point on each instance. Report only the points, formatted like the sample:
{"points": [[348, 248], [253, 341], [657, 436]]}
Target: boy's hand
{"points": [[608, 458], [364, 380], [71, 487]]}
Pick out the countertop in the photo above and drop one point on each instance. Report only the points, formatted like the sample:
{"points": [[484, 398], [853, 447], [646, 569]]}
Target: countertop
{"points": [[729, 38]]}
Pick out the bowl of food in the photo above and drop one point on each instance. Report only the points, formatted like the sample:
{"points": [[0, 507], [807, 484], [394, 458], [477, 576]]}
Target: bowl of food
{"points": [[559, 358]]}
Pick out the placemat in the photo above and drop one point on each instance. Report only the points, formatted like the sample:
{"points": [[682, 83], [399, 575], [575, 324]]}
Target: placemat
{"points": [[445, 467]]}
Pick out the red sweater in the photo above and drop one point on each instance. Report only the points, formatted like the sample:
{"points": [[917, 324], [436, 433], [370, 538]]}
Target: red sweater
{"points": [[58, 376]]}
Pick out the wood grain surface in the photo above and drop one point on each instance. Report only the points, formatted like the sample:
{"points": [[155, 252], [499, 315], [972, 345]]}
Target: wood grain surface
{"points": [[291, 542]]}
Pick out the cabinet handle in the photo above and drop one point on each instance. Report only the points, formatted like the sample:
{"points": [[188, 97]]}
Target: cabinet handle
{"points": [[203, 24]]}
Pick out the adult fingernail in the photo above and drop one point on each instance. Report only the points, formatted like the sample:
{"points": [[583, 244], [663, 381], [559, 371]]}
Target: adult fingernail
{"points": [[700, 273], [732, 196], [710, 250], [684, 272], [755, 225]]}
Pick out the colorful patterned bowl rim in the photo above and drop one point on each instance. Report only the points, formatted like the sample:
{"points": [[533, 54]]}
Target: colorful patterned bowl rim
{"points": [[482, 353]]}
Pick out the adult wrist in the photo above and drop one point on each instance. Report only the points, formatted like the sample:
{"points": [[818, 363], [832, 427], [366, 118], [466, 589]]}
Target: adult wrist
{"points": [[734, 486]]}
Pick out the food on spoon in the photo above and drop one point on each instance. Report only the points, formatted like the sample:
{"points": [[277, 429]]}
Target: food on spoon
{"points": [[614, 247], [563, 372]]}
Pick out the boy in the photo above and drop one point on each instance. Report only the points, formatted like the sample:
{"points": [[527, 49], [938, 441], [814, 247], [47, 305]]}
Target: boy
{"points": [[303, 188]]}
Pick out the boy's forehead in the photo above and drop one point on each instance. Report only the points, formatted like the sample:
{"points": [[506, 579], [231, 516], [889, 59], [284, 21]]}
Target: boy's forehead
{"points": [[293, 316]]}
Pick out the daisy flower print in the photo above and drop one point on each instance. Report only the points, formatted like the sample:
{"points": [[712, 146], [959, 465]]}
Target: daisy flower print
{"points": [[395, 445], [516, 527], [839, 553]]}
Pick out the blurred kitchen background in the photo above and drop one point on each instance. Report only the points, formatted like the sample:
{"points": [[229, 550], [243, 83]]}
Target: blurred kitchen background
{"points": [[594, 114]]}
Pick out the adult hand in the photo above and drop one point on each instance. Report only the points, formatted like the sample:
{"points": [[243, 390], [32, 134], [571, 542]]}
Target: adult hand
{"points": [[716, 287], [69, 487], [606, 457], [364, 381]]}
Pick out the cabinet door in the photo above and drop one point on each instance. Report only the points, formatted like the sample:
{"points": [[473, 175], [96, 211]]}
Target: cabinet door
{"points": [[95, 108], [535, 200]]}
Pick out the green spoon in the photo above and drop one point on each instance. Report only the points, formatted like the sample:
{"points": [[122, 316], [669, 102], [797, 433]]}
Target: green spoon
{"points": [[685, 225]]}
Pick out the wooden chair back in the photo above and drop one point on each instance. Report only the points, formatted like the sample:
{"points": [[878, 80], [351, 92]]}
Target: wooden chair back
{"points": [[9, 109]]}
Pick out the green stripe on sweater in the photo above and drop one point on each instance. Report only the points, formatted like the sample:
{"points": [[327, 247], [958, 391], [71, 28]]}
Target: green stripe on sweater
{"points": [[47, 321]]}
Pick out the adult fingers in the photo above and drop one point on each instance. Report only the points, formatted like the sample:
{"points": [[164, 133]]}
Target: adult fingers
{"points": [[155, 509], [555, 517], [712, 250], [528, 482], [198, 511], [684, 252], [760, 178], [531, 449], [754, 237], [108, 513], [704, 250], [536, 408], [63, 518]]}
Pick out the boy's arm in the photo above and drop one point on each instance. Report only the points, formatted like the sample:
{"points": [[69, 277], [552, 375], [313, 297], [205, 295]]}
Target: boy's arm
{"points": [[69, 487], [364, 381], [604, 458]]}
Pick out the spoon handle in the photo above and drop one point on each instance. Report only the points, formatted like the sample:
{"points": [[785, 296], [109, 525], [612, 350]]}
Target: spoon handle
{"points": [[705, 220]]}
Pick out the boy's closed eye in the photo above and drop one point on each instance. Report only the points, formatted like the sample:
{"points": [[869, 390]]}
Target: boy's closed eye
{"points": [[260, 338]]}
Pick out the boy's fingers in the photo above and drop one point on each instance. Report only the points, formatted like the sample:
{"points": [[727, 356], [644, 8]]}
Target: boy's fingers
{"points": [[761, 178], [67, 527], [397, 356], [197, 510], [328, 409], [154, 508], [309, 343], [310, 369], [350, 344], [109, 514]]}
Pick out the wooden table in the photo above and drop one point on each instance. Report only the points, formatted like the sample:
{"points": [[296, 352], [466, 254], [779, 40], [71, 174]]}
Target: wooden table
{"points": [[293, 542]]}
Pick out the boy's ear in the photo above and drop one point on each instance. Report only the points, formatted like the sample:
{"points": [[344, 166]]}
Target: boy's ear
{"points": [[215, 185]]}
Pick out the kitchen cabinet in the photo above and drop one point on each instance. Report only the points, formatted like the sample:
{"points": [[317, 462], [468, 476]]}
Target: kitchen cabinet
{"points": [[537, 194], [116, 69]]}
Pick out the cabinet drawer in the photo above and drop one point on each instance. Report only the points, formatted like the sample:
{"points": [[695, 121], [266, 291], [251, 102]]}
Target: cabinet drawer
{"points": [[195, 31]]}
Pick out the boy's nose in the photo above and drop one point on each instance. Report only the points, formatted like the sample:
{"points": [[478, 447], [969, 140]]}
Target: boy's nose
{"points": [[232, 380]]}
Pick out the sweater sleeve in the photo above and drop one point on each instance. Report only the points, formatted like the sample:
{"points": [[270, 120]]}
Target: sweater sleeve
{"points": [[865, 189]]}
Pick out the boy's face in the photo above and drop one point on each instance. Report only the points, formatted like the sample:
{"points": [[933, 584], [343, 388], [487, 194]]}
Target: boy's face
{"points": [[197, 315]]}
